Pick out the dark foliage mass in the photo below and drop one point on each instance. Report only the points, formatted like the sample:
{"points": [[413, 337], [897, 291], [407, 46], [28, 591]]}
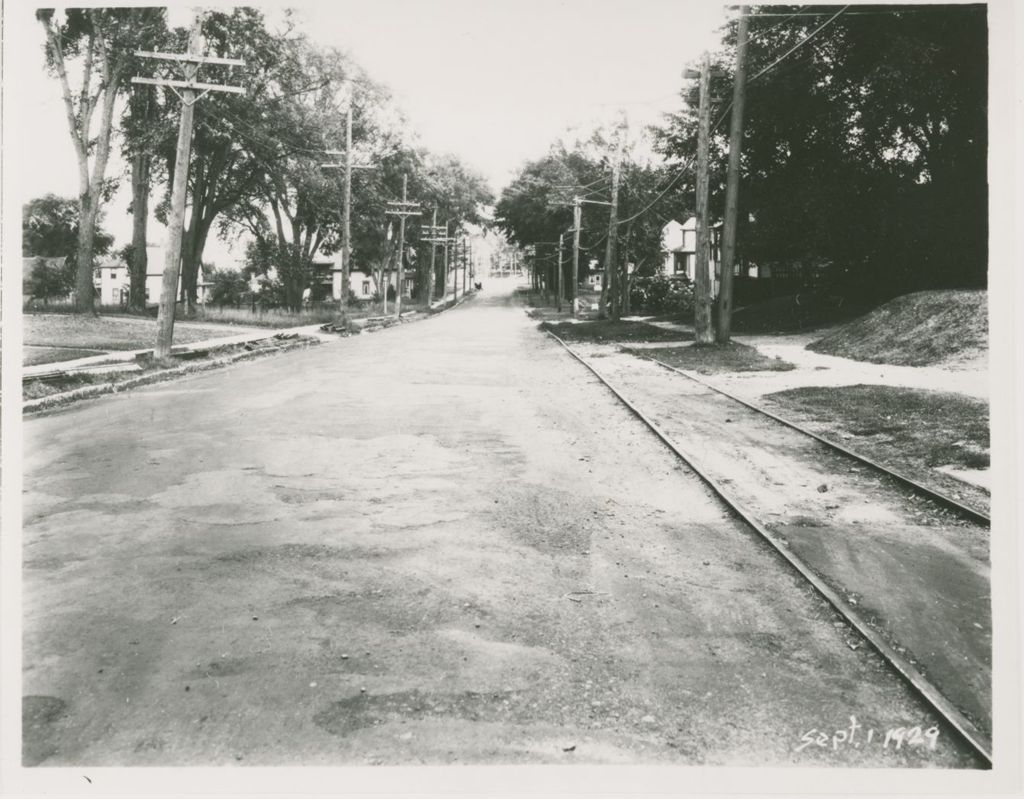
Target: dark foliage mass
{"points": [[864, 150], [662, 295], [49, 228], [537, 206]]}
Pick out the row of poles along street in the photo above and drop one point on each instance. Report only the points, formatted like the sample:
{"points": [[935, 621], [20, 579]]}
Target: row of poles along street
{"points": [[190, 91], [615, 294]]}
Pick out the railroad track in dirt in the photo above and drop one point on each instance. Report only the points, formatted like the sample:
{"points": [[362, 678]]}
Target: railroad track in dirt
{"points": [[967, 511], [906, 566]]}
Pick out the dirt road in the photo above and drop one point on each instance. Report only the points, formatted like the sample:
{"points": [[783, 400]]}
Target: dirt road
{"points": [[442, 543]]}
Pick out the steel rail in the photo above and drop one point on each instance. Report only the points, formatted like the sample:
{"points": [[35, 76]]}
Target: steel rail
{"points": [[974, 514], [975, 738]]}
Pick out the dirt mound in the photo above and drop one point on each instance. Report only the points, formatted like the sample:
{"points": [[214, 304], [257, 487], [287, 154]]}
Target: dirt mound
{"points": [[920, 329]]}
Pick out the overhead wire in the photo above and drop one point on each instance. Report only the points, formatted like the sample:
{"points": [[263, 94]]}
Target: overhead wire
{"points": [[777, 61], [689, 165]]}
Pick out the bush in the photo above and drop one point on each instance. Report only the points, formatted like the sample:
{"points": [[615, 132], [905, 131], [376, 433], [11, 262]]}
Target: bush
{"points": [[662, 294]]}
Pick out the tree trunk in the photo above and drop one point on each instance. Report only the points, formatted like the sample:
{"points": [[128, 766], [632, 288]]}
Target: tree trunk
{"points": [[84, 291], [140, 216], [191, 260], [625, 279]]}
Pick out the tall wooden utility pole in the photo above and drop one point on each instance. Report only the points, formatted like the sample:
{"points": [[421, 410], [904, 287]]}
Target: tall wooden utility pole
{"points": [[558, 288], [455, 272], [346, 209], [467, 256], [447, 245], [702, 279], [402, 209], [435, 234], [611, 271], [732, 184], [172, 261], [577, 221]]}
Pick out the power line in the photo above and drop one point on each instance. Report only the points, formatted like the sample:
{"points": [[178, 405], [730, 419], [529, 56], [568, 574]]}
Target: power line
{"points": [[777, 61], [682, 171], [800, 44]]}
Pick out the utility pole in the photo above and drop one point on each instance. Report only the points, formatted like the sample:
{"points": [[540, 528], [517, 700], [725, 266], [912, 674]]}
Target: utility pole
{"points": [[346, 211], [402, 209], [561, 244], [385, 274], [346, 228], [455, 273], [467, 254], [732, 184], [611, 271], [447, 243], [702, 279], [577, 221], [172, 260], [436, 235]]}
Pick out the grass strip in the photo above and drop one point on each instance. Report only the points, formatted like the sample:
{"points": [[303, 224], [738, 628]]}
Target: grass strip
{"points": [[713, 359]]}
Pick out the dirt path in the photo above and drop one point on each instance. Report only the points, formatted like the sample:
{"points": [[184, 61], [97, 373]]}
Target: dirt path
{"points": [[970, 378], [443, 543]]}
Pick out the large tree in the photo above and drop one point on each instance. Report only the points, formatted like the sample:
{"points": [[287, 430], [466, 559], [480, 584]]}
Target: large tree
{"points": [[536, 206], [50, 228], [99, 43], [864, 148], [293, 210], [234, 133]]}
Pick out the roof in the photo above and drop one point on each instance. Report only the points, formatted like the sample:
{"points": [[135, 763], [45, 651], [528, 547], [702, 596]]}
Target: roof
{"points": [[691, 224]]}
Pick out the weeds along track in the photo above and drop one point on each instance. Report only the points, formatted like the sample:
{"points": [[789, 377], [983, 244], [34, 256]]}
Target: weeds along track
{"points": [[906, 567]]}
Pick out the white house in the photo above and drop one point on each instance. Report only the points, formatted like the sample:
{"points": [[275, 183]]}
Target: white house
{"points": [[112, 281], [361, 285], [679, 248]]}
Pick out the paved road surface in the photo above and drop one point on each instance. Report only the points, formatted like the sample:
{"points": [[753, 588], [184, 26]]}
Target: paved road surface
{"points": [[440, 543]]}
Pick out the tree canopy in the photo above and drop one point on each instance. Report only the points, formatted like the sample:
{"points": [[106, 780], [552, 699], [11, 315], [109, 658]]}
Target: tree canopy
{"points": [[49, 228], [256, 167], [864, 148]]}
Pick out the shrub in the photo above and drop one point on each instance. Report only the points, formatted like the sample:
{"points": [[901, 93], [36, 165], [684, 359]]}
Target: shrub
{"points": [[662, 294]]}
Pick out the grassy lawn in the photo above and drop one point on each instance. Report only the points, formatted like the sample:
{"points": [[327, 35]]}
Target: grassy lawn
{"points": [[281, 317], [911, 430], [606, 331], [712, 359], [76, 332], [786, 314], [36, 355], [271, 317], [920, 329]]}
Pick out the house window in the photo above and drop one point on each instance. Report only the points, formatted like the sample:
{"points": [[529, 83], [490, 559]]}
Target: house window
{"points": [[113, 274], [366, 288]]}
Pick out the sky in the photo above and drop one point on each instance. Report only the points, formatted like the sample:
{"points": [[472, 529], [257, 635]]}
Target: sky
{"points": [[493, 81]]}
